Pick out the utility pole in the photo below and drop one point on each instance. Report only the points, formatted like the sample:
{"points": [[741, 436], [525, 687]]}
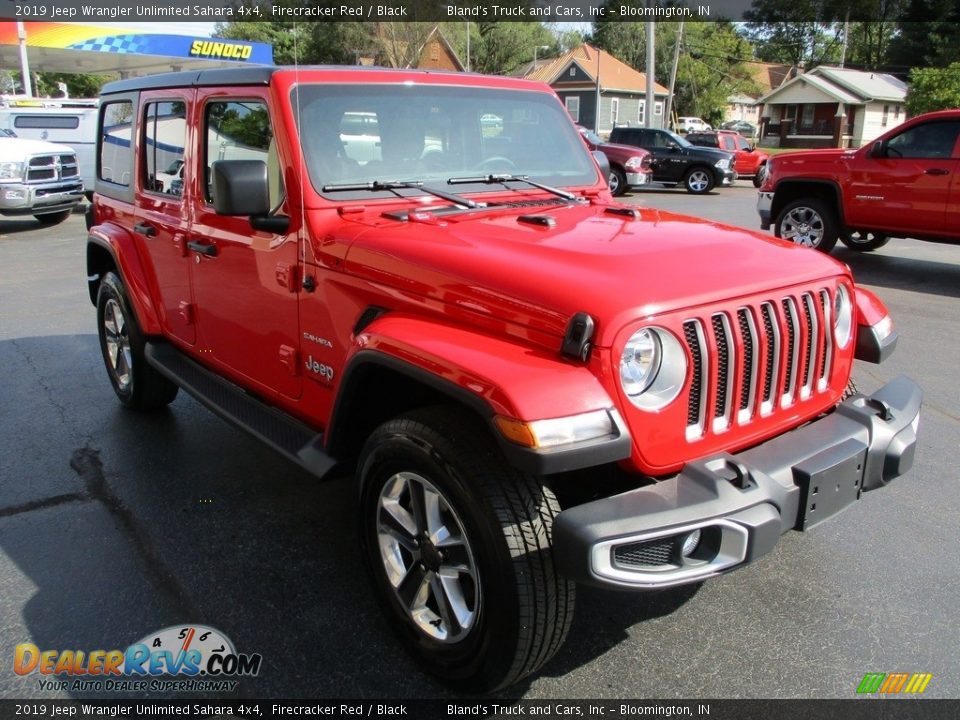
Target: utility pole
{"points": [[24, 63], [651, 61], [668, 110], [846, 32], [468, 46]]}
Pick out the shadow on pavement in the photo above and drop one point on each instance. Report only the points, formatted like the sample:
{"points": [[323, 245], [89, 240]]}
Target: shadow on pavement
{"points": [[903, 273]]}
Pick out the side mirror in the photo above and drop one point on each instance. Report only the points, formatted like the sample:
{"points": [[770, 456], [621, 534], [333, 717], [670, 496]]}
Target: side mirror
{"points": [[603, 161], [877, 150], [241, 187]]}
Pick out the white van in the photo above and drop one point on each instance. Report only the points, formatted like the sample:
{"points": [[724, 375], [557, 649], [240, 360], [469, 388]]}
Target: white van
{"points": [[70, 122]]}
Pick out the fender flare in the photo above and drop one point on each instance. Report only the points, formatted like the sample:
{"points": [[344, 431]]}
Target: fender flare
{"points": [[831, 185], [489, 375], [121, 248]]}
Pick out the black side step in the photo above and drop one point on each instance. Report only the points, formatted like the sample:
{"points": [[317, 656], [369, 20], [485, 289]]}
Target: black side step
{"points": [[290, 438]]}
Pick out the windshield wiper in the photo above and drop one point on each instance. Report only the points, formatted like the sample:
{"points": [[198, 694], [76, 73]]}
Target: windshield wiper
{"points": [[402, 185], [504, 179]]}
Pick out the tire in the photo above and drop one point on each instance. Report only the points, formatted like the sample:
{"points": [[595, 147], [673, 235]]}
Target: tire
{"points": [[136, 383], [760, 175], [808, 222], [698, 180], [513, 610], [864, 242], [54, 218], [617, 182]]}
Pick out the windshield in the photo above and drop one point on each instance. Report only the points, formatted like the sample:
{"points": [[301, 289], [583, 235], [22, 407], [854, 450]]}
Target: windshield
{"points": [[591, 136], [679, 139], [430, 134]]}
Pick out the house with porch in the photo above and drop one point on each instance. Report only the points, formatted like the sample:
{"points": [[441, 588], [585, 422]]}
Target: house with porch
{"points": [[622, 90], [762, 78], [831, 107]]}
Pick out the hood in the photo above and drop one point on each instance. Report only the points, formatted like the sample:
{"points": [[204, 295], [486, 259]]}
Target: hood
{"points": [[709, 152], [623, 149], [615, 268], [17, 147]]}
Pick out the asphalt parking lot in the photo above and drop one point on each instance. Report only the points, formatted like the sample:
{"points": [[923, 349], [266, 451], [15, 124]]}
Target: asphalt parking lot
{"points": [[114, 525]]}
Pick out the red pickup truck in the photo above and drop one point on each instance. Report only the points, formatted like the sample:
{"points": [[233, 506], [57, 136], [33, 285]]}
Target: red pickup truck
{"points": [[904, 184]]}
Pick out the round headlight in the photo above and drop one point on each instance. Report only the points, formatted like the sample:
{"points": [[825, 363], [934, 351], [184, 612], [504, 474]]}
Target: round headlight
{"points": [[842, 317], [640, 362], [652, 368]]}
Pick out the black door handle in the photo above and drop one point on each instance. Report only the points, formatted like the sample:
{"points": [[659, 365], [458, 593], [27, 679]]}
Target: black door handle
{"points": [[145, 229], [209, 250], [936, 171]]}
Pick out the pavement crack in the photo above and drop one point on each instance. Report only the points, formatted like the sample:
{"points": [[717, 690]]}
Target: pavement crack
{"points": [[42, 504], [87, 464]]}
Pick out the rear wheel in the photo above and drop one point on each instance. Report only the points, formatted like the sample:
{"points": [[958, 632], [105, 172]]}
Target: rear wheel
{"points": [[808, 222], [698, 180], [459, 545], [54, 218], [136, 383], [864, 241], [617, 182]]}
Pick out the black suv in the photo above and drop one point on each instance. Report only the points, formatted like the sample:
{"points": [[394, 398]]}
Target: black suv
{"points": [[676, 161]]}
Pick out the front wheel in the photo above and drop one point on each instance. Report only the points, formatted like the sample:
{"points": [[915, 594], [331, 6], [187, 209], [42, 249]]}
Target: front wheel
{"points": [[459, 545], [864, 241], [808, 222], [760, 176], [698, 181], [617, 182]]}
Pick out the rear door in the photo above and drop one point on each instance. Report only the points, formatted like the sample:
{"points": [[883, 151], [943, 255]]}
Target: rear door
{"points": [[161, 221]]}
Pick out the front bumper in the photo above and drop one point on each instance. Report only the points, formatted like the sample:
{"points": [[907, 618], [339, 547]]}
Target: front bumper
{"points": [[764, 203], [726, 177], [742, 503], [29, 199], [637, 179]]}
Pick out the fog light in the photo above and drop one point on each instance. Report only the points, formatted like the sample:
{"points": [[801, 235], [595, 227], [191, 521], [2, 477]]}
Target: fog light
{"points": [[690, 543], [15, 195]]}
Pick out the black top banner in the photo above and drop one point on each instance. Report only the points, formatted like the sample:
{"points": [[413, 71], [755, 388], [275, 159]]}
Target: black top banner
{"points": [[577, 11]]}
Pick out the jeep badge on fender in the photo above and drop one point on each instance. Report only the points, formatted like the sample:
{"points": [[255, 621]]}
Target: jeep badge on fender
{"points": [[535, 387]]}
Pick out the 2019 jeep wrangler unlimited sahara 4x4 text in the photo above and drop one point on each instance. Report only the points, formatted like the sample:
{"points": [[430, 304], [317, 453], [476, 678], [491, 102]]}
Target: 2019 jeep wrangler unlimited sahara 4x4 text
{"points": [[536, 386]]}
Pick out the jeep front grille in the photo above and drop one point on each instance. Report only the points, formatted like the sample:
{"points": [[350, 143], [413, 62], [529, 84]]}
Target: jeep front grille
{"points": [[47, 168], [758, 358]]}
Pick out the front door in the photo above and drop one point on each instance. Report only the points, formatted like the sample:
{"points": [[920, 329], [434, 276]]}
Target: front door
{"points": [[161, 218], [245, 281], [908, 187]]}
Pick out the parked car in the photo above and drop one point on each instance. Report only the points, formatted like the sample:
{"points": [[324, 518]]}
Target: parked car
{"points": [[904, 184], [692, 124], [629, 166], [677, 161], [748, 161], [535, 385], [38, 178], [747, 129]]}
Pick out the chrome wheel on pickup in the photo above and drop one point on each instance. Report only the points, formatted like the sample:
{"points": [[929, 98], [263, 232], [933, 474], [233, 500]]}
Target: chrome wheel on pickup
{"points": [[698, 181], [807, 222], [459, 548]]}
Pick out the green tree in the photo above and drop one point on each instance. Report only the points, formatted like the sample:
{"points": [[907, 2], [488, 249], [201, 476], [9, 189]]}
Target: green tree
{"points": [[928, 35], [933, 89], [78, 85]]}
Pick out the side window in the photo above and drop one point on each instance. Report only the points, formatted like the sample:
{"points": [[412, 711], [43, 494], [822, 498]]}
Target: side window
{"points": [[115, 163], [163, 142], [729, 143], [930, 140], [241, 130]]}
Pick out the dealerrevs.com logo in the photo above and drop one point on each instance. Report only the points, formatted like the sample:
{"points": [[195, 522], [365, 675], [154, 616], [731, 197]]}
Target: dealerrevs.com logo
{"points": [[181, 658]]}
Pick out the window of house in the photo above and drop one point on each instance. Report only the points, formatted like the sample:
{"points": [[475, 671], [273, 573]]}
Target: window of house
{"points": [[658, 109], [573, 71], [614, 110], [896, 112], [886, 113], [807, 116], [116, 151], [642, 112], [163, 143], [573, 107], [240, 130]]}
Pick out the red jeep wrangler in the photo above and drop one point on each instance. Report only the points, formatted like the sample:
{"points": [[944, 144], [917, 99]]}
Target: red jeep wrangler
{"points": [[537, 387], [901, 185]]}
